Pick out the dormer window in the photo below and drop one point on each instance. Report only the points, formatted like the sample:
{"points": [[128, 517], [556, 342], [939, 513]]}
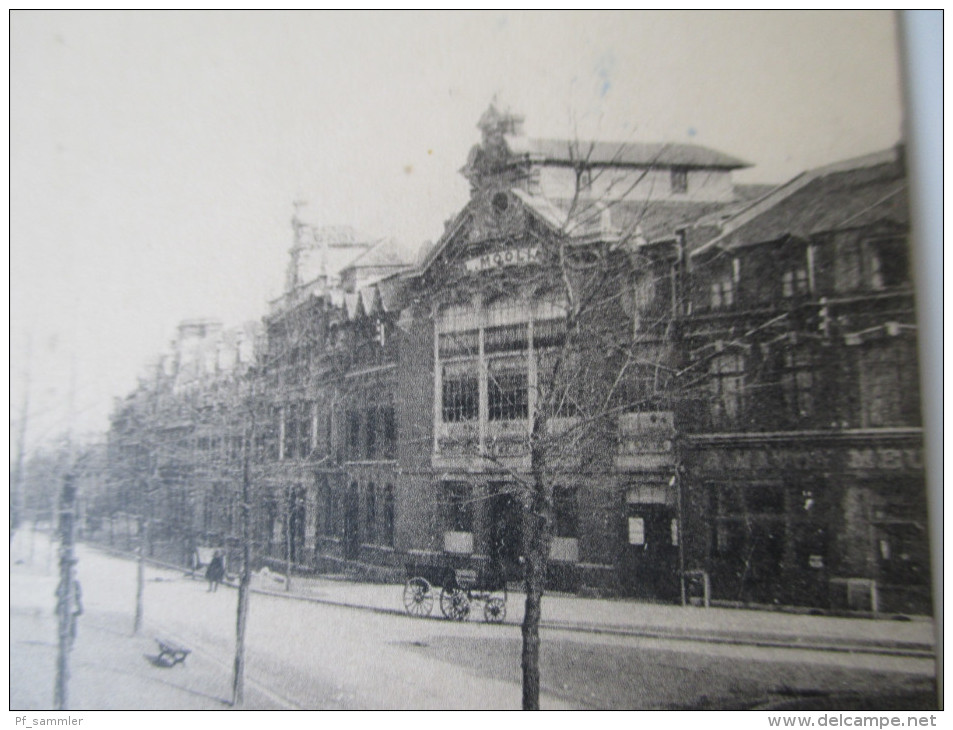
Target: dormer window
{"points": [[679, 180]]}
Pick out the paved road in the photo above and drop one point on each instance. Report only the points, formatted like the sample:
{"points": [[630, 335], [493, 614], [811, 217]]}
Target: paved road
{"points": [[306, 655]]}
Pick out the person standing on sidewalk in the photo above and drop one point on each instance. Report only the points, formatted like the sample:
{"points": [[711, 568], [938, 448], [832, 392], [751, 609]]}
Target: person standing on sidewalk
{"points": [[216, 571]]}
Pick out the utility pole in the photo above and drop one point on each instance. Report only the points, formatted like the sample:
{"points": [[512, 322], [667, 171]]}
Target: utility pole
{"points": [[66, 598], [144, 504], [244, 583]]}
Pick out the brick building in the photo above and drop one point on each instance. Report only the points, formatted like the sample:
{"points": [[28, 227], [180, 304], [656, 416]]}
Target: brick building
{"points": [[725, 376]]}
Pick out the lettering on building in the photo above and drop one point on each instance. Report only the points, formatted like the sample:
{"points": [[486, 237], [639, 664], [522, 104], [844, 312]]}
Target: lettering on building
{"points": [[884, 459], [507, 257]]}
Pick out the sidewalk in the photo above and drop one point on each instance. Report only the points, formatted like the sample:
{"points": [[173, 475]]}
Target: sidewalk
{"points": [[914, 638]]}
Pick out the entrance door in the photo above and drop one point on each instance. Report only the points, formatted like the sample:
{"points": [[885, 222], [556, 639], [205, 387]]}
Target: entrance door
{"points": [[506, 533], [650, 556], [295, 526], [352, 527]]}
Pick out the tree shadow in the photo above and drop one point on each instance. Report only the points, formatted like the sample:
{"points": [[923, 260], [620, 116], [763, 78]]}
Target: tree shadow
{"points": [[159, 661]]}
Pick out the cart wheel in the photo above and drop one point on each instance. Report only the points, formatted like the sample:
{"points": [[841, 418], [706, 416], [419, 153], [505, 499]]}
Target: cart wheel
{"points": [[454, 604], [494, 610], [418, 597]]}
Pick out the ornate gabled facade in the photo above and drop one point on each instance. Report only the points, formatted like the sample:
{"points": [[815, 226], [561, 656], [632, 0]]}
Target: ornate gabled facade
{"points": [[717, 382]]}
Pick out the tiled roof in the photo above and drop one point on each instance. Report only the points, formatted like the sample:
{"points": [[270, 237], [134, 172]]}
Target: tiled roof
{"points": [[657, 219], [384, 253], [847, 194]]}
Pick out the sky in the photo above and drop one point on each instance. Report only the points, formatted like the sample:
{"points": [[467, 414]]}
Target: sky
{"points": [[155, 156]]}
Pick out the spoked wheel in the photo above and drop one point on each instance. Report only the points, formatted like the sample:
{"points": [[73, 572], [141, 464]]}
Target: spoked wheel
{"points": [[494, 610], [454, 604], [418, 597]]}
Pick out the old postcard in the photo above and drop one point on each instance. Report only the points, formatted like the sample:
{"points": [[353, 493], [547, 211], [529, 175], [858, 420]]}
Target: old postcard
{"points": [[499, 360]]}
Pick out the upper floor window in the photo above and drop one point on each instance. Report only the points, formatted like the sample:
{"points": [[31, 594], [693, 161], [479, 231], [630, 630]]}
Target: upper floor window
{"points": [[507, 338], [797, 384], [726, 385], [297, 431], [459, 344], [887, 263], [889, 390], [722, 293], [507, 395], [679, 180], [549, 333], [370, 433], [388, 428], [795, 282], [461, 397], [353, 447]]}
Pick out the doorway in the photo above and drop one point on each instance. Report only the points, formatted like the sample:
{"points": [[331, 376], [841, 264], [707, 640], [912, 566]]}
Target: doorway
{"points": [[650, 554], [352, 527], [506, 530]]}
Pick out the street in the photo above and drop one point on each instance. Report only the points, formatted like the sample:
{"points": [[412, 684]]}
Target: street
{"points": [[304, 655]]}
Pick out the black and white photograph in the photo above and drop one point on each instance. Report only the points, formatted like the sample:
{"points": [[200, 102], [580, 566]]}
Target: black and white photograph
{"points": [[499, 360]]}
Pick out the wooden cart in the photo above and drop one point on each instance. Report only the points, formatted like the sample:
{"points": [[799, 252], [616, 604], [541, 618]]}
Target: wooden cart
{"points": [[456, 590]]}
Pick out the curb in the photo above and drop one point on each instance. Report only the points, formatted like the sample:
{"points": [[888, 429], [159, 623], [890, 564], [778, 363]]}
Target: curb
{"points": [[898, 649], [831, 644]]}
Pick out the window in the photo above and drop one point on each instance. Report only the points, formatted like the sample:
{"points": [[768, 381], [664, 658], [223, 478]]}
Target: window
{"points": [[722, 293], [458, 344], [679, 180], [388, 429], [508, 338], [507, 396], [889, 390], [797, 384], [353, 449], [648, 382], [549, 333], [370, 514], [389, 515], [727, 388], [887, 262], [266, 440], [297, 431], [461, 398], [566, 512], [794, 282], [459, 506], [370, 433]]}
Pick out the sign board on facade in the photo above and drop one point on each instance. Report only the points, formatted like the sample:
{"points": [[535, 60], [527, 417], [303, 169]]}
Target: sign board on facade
{"points": [[636, 531], [507, 257]]}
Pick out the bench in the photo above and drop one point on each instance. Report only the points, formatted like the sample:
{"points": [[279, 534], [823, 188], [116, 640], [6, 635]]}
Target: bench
{"points": [[171, 653]]}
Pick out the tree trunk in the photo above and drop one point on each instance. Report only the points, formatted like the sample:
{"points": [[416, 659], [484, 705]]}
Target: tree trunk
{"points": [[244, 583], [238, 684], [288, 508], [65, 596], [140, 576], [536, 531]]}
